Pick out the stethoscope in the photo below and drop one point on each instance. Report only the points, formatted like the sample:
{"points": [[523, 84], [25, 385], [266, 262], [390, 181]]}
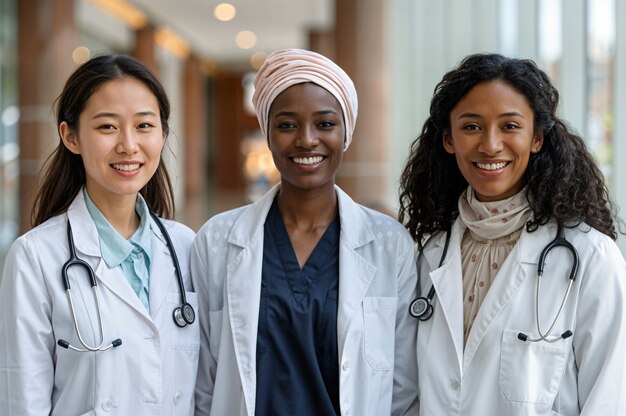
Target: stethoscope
{"points": [[183, 315], [422, 307]]}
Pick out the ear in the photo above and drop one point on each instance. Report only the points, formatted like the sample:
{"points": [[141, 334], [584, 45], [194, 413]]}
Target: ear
{"points": [[69, 138], [448, 143], [537, 143]]}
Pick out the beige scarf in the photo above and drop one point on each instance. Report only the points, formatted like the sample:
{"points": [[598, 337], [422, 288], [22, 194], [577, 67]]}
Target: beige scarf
{"points": [[494, 228]]}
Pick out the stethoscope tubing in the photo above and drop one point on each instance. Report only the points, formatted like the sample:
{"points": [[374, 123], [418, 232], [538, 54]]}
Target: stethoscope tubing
{"points": [[559, 241], [182, 315], [545, 336], [422, 308], [75, 261]]}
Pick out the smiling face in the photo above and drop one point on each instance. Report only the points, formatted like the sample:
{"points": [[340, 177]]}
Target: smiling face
{"points": [[119, 137], [492, 136], [306, 137]]}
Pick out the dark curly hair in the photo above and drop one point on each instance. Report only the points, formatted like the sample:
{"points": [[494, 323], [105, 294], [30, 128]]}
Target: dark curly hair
{"points": [[563, 180]]}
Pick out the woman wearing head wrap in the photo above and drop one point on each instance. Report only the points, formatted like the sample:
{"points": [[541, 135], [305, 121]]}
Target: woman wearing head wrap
{"points": [[305, 293]]}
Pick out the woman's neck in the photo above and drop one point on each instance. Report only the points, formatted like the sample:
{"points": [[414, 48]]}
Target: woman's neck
{"points": [[119, 211], [308, 210], [306, 215]]}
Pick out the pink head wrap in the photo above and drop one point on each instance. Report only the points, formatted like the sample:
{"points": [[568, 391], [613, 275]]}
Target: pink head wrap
{"points": [[288, 67]]}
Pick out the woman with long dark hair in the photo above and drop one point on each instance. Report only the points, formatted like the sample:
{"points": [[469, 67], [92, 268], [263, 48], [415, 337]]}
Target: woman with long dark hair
{"points": [[93, 310], [522, 288]]}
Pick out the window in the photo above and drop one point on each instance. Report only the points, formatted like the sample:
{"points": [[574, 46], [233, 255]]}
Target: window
{"points": [[9, 118], [600, 81]]}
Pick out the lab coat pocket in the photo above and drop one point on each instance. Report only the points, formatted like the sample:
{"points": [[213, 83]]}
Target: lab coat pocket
{"points": [[188, 337], [531, 371], [379, 322]]}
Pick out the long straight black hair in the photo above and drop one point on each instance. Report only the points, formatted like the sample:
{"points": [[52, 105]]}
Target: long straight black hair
{"points": [[63, 173]]}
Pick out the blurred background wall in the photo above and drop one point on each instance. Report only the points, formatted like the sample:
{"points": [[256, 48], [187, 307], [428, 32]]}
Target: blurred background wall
{"points": [[206, 54]]}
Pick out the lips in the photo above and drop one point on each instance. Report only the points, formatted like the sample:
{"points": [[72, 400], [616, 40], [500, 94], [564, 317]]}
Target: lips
{"points": [[491, 166], [311, 160], [126, 167]]}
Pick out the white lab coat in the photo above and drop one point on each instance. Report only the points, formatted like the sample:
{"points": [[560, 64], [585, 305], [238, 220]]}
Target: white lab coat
{"points": [[377, 280], [153, 372], [496, 373]]}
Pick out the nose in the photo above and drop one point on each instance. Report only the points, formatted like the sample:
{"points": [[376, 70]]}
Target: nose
{"points": [[307, 137], [490, 142], [127, 142]]}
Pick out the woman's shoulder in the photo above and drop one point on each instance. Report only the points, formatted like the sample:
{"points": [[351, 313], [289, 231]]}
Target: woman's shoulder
{"points": [[178, 230], [591, 242], [386, 230], [380, 220], [377, 221], [47, 231], [223, 221], [47, 237]]}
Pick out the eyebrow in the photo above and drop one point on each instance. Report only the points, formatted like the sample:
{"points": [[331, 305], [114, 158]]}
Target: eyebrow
{"points": [[105, 114], [507, 114], [293, 113]]}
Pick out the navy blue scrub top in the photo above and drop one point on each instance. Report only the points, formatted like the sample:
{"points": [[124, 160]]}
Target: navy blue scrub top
{"points": [[297, 358]]}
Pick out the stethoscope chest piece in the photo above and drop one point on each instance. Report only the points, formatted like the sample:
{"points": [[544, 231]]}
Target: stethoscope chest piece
{"points": [[421, 309], [184, 315]]}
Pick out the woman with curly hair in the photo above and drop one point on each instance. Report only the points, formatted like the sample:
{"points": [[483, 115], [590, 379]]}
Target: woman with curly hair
{"points": [[494, 180]]}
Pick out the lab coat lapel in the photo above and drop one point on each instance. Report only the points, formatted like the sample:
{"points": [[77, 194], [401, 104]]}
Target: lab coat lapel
{"points": [[355, 272], [162, 273], [88, 248], [513, 273], [243, 288], [448, 283]]}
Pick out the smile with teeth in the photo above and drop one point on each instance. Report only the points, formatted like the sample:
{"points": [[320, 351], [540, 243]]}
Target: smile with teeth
{"points": [[126, 167], [491, 166], [308, 160]]}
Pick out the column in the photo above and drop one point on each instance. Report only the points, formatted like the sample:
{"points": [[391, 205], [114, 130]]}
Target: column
{"points": [[573, 70], [195, 169], [361, 35], [145, 47], [46, 38], [618, 190]]}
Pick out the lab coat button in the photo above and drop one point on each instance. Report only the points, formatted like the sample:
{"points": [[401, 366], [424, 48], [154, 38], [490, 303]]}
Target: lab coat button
{"points": [[455, 384], [108, 405], [178, 397], [346, 366]]}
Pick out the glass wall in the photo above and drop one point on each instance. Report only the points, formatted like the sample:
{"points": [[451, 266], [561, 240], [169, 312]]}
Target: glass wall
{"points": [[9, 117], [574, 41], [550, 37], [600, 81]]}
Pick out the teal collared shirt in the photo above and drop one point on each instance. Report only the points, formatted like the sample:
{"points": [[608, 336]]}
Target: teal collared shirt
{"points": [[133, 256]]}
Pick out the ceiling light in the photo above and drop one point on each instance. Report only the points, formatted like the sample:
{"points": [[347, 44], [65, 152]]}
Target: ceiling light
{"points": [[10, 115], [168, 39], [81, 55], [224, 12], [257, 59], [245, 39], [124, 11]]}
